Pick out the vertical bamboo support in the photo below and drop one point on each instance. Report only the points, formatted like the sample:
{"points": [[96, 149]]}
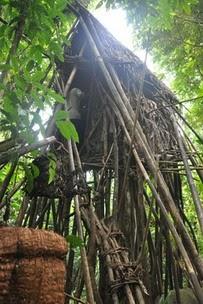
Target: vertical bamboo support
{"points": [[191, 272], [86, 270], [64, 93], [116, 169], [80, 232], [22, 211], [195, 196], [123, 256], [139, 295]]}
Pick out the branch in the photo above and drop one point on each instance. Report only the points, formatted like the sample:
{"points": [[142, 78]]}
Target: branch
{"points": [[17, 37], [3, 21], [17, 152], [9, 144], [7, 180], [75, 299], [9, 195], [176, 103], [191, 20]]}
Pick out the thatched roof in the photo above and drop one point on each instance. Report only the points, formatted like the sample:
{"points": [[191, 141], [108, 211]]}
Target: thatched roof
{"points": [[150, 97], [156, 101]]}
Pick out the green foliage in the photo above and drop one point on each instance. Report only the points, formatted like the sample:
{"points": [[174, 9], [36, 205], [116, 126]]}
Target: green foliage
{"points": [[32, 38], [195, 115], [74, 241], [173, 33], [35, 170], [52, 167], [29, 177], [65, 126]]}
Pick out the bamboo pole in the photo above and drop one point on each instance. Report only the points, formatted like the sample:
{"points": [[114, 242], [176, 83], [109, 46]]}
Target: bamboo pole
{"points": [[179, 243], [96, 221], [188, 142], [156, 194], [86, 272], [139, 295], [116, 169], [123, 256], [127, 112], [195, 196], [72, 75], [22, 211], [141, 140], [102, 240], [64, 92]]}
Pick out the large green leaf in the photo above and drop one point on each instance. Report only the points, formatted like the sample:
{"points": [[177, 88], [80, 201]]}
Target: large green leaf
{"points": [[52, 167], [35, 170], [67, 129], [10, 106], [29, 177], [57, 97], [61, 115]]}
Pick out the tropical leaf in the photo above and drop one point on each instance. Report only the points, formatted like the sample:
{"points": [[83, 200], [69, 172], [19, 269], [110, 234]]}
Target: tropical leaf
{"points": [[67, 129], [74, 241], [52, 167]]}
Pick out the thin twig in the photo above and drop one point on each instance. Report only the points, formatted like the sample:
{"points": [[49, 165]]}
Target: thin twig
{"points": [[75, 299]]}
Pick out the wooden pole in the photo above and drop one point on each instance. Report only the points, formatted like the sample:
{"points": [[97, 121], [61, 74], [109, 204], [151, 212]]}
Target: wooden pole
{"points": [[15, 153], [195, 196], [127, 114], [59, 106], [191, 272], [86, 271]]}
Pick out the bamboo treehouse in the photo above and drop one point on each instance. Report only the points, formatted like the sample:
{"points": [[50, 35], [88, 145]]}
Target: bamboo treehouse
{"points": [[120, 188]]}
